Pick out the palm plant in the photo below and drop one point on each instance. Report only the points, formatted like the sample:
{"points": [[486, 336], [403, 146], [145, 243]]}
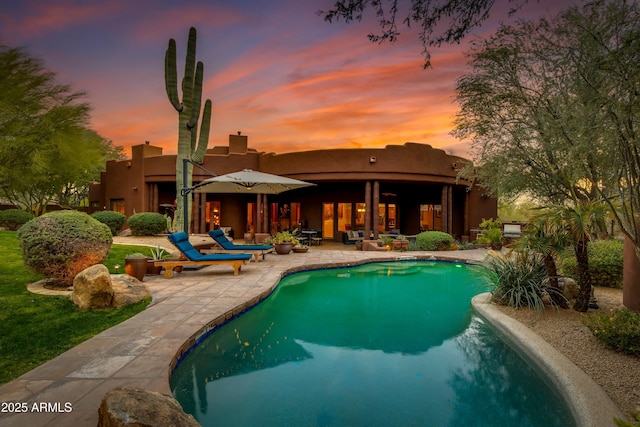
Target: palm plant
{"points": [[549, 240], [581, 222]]}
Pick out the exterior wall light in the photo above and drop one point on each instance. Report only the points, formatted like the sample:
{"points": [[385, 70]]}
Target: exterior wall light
{"points": [[372, 159]]}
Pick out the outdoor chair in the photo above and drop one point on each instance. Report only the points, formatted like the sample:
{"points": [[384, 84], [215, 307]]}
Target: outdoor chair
{"points": [[226, 246], [194, 257]]}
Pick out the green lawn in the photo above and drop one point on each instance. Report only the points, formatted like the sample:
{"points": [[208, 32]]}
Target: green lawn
{"points": [[36, 328]]}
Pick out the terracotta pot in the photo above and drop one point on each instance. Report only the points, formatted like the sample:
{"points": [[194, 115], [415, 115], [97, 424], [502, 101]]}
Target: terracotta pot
{"points": [[152, 268], [496, 246], [400, 244], [300, 250], [283, 248], [136, 267]]}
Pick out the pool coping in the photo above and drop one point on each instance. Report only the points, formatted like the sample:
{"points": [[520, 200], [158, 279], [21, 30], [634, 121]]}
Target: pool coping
{"points": [[591, 406]]}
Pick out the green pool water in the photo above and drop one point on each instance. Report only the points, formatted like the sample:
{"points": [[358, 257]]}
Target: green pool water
{"points": [[385, 344]]}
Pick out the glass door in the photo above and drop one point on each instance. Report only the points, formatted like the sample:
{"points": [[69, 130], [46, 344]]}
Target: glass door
{"points": [[328, 220]]}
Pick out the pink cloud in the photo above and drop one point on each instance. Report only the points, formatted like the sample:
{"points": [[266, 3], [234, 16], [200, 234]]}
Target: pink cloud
{"points": [[44, 17]]}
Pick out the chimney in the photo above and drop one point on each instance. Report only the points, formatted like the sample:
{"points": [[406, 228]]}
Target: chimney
{"points": [[238, 144]]}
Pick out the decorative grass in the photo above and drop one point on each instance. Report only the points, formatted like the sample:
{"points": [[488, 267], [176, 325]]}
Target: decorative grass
{"points": [[37, 328]]}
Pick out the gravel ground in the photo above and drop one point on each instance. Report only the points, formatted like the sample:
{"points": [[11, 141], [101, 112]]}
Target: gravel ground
{"points": [[618, 374]]}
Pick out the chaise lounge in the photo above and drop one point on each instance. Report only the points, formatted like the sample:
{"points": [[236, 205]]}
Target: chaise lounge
{"points": [[193, 257], [227, 246]]}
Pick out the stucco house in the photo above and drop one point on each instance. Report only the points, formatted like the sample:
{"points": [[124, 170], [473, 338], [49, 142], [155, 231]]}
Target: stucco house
{"points": [[403, 188]]}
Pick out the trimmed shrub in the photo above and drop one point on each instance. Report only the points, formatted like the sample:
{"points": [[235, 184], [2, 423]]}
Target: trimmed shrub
{"points": [[13, 219], [434, 241], [63, 243], [114, 220], [619, 329], [605, 263], [147, 224]]}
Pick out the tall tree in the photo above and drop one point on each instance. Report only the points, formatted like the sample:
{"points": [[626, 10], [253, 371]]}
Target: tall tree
{"points": [[75, 193], [44, 140], [460, 16], [552, 107]]}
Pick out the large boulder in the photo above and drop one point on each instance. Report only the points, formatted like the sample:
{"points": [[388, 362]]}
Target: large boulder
{"points": [[125, 406], [95, 288], [92, 288], [128, 290], [569, 288]]}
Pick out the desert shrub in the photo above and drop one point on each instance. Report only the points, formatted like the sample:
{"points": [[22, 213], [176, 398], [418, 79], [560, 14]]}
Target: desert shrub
{"points": [[519, 279], [114, 220], [433, 241], [147, 224], [13, 219], [63, 243], [605, 263], [413, 246], [619, 329]]}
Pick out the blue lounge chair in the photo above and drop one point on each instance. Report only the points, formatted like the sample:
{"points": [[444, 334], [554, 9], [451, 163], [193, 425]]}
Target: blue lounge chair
{"points": [[227, 246], [194, 257]]}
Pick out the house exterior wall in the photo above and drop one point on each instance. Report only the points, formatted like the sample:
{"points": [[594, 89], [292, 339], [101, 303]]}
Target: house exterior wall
{"points": [[407, 176]]}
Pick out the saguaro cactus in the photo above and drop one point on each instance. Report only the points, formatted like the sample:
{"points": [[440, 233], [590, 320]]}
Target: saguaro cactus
{"points": [[190, 145]]}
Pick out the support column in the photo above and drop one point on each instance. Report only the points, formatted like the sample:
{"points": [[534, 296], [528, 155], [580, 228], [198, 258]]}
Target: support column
{"points": [[450, 209], [367, 213], [258, 215], [447, 208], [153, 198], [265, 214], [376, 214]]}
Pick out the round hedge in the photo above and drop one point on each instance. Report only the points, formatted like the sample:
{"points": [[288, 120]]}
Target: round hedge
{"points": [[147, 224], [63, 243], [114, 220], [434, 241], [13, 219]]}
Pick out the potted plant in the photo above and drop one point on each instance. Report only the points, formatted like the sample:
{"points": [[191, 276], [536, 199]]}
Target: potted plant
{"points": [[136, 265], [386, 242], [300, 248], [400, 243], [492, 231], [283, 242], [157, 254]]}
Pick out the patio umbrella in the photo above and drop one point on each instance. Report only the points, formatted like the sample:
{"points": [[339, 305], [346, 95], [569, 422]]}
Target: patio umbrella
{"points": [[249, 181]]}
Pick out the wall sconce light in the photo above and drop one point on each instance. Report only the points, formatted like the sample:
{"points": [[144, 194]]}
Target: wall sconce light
{"points": [[372, 159], [134, 188], [454, 165], [129, 164]]}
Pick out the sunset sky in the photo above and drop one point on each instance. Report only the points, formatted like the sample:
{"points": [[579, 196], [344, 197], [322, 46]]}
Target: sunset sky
{"points": [[274, 70]]}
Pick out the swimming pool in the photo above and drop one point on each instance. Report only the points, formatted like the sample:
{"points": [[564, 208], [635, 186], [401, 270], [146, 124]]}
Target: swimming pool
{"points": [[379, 344]]}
